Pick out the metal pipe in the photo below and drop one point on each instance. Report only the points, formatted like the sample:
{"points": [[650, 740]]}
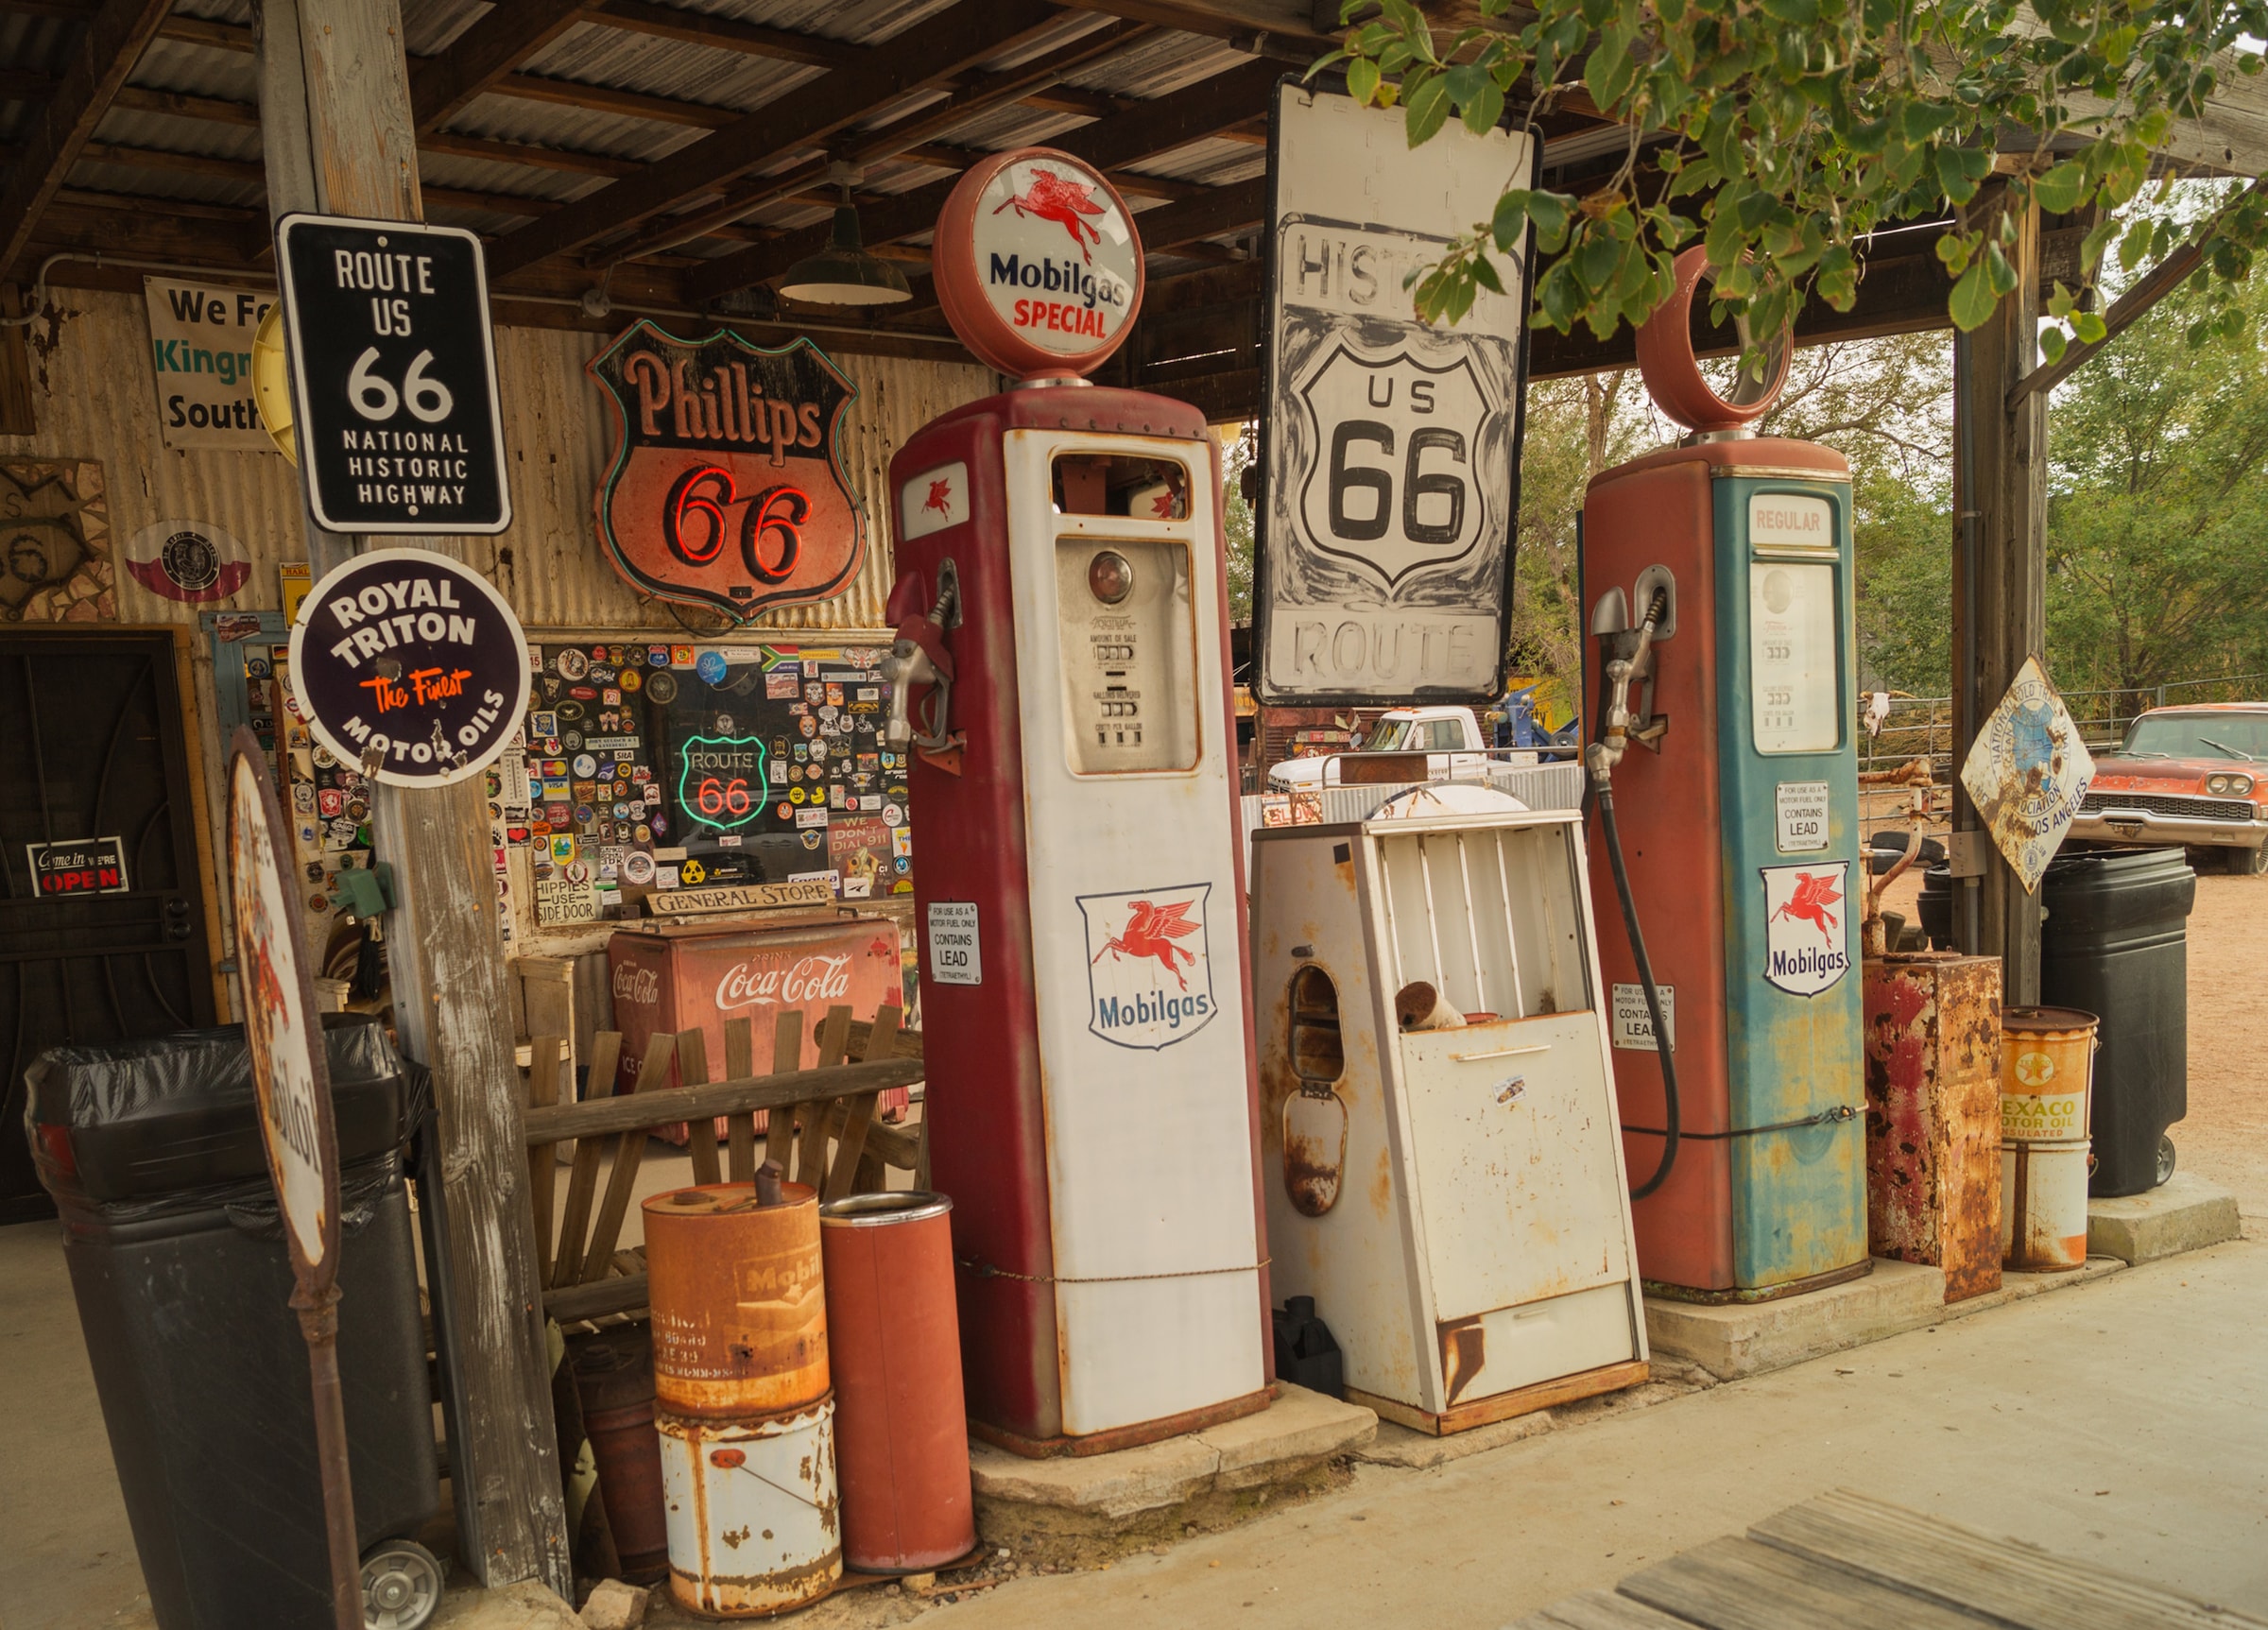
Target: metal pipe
{"points": [[1473, 930], [1970, 933]]}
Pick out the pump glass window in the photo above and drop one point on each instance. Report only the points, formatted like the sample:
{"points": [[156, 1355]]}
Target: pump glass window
{"points": [[1116, 483], [1792, 657], [1130, 654]]}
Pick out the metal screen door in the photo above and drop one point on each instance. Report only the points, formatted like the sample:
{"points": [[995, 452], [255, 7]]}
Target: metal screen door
{"points": [[97, 783]]}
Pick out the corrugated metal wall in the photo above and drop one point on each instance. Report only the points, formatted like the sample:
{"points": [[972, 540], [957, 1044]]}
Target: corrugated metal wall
{"points": [[97, 399]]}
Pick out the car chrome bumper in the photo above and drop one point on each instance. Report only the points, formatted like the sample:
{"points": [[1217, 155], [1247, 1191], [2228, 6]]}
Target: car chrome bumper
{"points": [[2144, 827]]}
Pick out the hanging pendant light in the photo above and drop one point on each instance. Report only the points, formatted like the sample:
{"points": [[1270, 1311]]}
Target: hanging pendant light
{"points": [[843, 273]]}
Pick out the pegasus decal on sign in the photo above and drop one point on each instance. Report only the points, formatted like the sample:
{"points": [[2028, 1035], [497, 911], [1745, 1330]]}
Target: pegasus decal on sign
{"points": [[1149, 965], [1806, 940], [1052, 198]]}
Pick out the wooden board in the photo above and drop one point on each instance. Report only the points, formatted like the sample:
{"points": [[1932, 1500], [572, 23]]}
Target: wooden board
{"points": [[1599, 1610], [2015, 1583], [1505, 1406], [1741, 1584], [606, 1054]]}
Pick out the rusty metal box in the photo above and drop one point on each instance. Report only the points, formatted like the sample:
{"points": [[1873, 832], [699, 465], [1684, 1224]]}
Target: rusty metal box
{"points": [[1934, 1115]]}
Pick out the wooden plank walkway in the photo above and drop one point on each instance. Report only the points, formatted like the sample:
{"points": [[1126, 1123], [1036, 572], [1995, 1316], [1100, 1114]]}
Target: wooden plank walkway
{"points": [[1847, 1561]]}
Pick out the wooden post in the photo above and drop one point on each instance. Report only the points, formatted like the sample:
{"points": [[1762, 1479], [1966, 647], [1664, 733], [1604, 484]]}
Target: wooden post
{"points": [[2000, 575], [338, 136]]}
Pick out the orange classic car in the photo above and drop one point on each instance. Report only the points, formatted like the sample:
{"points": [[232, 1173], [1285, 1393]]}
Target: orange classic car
{"points": [[2195, 776]]}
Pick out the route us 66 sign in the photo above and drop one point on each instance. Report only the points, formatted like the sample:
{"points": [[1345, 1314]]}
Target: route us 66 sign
{"points": [[1391, 448], [393, 375]]}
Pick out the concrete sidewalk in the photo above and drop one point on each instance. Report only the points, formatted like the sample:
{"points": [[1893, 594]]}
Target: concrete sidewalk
{"points": [[2125, 1420]]}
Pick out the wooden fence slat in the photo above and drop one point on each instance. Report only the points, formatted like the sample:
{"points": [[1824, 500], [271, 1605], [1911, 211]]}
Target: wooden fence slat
{"points": [[618, 1115], [542, 1165], [567, 1262], [700, 1130], [788, 1058], [630, 1151], [842, 1177], [740, 1063], [811, 1154]]}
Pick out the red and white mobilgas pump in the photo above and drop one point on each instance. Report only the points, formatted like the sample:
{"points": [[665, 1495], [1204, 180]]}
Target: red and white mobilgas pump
{"points": [[1060, 680]]}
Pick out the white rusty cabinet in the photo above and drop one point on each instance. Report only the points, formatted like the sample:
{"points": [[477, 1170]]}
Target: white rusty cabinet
{"points": [[1453, 1200]]}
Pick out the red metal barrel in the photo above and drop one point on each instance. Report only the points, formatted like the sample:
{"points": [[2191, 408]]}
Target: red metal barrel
{"points": [[740, 1318], [901, 1435], [614, 1379]]}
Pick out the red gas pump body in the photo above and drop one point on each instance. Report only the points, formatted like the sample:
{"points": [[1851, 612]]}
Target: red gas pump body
{"points": [[986, 1106]]}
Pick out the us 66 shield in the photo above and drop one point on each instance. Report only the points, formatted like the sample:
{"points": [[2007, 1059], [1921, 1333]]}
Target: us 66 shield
{"points": [[393, 375]]}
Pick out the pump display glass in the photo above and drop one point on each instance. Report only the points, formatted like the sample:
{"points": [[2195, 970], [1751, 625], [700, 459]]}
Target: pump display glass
{"points": [[1792, 656]]}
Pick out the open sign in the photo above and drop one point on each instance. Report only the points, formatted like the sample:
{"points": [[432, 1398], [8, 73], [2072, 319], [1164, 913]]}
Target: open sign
{"points": [[80, 865]]}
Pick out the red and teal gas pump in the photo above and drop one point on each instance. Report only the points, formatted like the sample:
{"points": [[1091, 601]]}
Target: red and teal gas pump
{"points": [[1724, 783]]}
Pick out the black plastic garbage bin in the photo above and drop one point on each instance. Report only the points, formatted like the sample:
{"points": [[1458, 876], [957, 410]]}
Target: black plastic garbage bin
{"points": [[178, 1262], [2114, 941]]}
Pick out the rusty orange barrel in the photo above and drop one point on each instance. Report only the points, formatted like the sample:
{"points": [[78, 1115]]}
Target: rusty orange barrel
{"points": [[901, 1433], [740, 1317], [614, 1381]]}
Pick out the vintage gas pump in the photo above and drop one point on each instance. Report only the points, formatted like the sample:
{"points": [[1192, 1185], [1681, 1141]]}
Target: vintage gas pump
{"points": [[1061, 680], [1724, 780]]}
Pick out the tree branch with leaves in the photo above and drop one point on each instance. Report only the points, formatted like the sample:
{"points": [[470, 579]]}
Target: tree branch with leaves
{"points": [[1783, 133]]}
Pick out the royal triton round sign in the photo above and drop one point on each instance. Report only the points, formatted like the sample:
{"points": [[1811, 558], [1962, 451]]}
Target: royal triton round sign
{"points": [[1038, 264], [411, 666]]}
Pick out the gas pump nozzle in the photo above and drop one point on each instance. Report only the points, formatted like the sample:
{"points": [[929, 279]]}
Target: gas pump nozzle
{"points": [[1630, 658], [919, 657]]}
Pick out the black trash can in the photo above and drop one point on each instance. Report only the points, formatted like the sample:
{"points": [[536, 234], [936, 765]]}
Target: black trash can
{"points": [[2114, 941], [178, 1262]]}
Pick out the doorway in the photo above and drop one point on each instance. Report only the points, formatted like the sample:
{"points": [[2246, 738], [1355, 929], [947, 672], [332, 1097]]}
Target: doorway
{"points": [[102, 906]]}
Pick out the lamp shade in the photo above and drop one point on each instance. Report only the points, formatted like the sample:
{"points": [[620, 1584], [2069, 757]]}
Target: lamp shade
{"points": [[843, 273]]}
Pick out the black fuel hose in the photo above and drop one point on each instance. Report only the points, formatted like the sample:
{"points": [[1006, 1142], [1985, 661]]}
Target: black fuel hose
{"points": [[1604, 793]]}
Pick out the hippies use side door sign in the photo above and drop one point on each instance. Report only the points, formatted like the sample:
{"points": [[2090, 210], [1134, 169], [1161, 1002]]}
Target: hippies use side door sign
{"points": [[1390, 449], [728, 488]]}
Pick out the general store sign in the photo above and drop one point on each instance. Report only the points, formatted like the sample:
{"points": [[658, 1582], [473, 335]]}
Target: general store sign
{"points": [[1392, 448], [728, 489]]}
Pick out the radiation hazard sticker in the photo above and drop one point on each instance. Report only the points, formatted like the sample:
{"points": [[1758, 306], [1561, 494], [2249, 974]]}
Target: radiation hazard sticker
{"points": [[1807, 936]]}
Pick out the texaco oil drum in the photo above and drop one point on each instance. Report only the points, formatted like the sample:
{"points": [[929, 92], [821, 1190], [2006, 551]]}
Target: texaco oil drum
{"points": [[740, 1317], [754, 1527], [894, 1341]]}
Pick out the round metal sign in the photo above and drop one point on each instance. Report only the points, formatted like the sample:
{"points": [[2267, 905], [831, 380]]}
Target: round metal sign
{"points": [[282, 1026], [1038, 266], [1673, 373], [411, 666]]}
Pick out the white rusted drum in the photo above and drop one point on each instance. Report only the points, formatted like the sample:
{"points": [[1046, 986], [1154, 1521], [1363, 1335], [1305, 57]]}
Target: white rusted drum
{"points": [[2047, 1073], [2043, 1205], [754, 1525]]}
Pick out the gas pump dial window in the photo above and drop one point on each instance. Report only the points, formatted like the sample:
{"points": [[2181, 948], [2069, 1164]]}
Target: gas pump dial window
{"points": [[1792, 657], [1129, 655]]}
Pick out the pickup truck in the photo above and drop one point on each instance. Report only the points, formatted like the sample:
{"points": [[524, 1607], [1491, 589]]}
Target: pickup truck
{"points": [[1451, 738]]}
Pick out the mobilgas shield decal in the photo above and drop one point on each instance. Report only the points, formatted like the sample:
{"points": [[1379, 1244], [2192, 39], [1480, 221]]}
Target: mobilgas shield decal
{"points": [[1149, 965], [1807, 945]]}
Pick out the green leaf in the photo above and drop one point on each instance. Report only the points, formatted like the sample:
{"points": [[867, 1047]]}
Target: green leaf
{"points": [[1509, 227], [2061, 302], [1484, 108], [1972, 301], [2051, 344], [1484, 273], [2090, 327], [1427, 109], [1609, 71], [1560, 296], [2059, 190], [2135, 246], [1552, 213], [1362, 80], [1999, 272], [1960, 170]]}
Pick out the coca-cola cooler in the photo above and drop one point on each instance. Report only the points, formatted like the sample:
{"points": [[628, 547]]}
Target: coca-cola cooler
{"points": [[678, 976]]}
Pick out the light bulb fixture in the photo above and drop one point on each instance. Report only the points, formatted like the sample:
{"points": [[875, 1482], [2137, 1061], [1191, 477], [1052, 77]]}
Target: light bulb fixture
{"points": [[843, 273]]}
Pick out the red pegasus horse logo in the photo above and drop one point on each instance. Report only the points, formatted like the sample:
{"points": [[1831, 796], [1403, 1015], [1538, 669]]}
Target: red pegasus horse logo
{"points": [[940, 497], [1052, 198], [1809, 901], [1151, 931]]}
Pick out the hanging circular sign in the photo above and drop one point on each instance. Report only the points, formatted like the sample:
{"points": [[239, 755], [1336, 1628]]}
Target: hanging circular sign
{"points": [[411, 664], [1038, 264], [1673, 373]]}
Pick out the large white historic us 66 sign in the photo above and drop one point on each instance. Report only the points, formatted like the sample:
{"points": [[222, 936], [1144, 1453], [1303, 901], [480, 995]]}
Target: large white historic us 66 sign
{"points": [[1391, 449]]}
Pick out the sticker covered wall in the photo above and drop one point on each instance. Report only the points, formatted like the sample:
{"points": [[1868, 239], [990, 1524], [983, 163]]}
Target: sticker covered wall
{"points": [[1391, 447]]}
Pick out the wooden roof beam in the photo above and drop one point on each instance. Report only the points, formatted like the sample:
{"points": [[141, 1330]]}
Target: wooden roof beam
{"points": [[105, 52], [937, 48], [974, 94], [1157, 126], [512, 31]]}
